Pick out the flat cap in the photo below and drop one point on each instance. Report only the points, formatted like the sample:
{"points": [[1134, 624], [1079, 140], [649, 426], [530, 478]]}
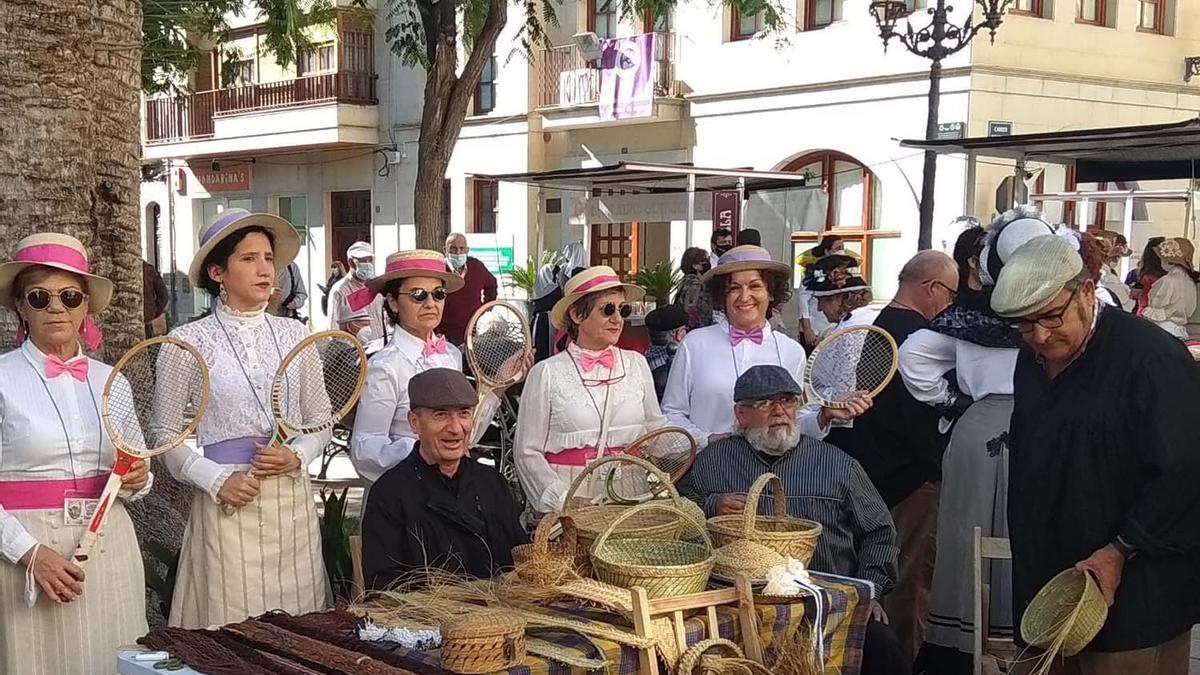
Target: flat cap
{"points": [[1034, 275], [666, 318], [441, 389], [759, 382]]}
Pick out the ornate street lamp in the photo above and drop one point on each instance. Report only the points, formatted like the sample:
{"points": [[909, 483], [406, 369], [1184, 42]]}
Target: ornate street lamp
{"points": [[935, 42]]}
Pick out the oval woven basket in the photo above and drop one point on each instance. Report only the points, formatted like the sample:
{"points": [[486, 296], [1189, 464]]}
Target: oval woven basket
{"points": [[1069, 609], [591, 521], [664, 567], [483, 642], [699, 661], [746, 557], [788, 536], [546, 563]]}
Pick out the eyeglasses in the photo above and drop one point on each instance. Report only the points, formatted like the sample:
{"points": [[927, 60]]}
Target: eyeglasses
{"points": [[420, 295], [952, 291], [1054, 320], [783, 401], [611, 308], [70, 298]]}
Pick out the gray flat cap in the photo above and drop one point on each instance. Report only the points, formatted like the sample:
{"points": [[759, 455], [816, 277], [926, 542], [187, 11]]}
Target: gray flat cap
{"points": [[1034, 275], [760, 382], [441, 389]]}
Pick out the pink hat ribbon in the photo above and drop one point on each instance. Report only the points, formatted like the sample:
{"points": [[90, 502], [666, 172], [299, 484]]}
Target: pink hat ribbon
{"points": [[598, 281], [424, 265], [58, 254]]}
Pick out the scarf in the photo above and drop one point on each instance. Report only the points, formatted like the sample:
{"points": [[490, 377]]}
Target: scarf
{"points": [[971, 318]]}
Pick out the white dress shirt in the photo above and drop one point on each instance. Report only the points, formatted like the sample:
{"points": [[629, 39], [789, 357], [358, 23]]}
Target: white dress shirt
{"points": [[558, 413], [243, 353], [1172, 301], [699, 393], [382, 437], [340, 312], [806, 304], [926, 356], [33, 442]]}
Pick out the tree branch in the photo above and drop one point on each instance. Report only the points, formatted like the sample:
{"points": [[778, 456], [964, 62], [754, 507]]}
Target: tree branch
{"points": [[463, 86]]}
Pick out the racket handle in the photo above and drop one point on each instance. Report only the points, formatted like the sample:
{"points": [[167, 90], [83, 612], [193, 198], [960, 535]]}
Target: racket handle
{"points": [[88, 541], [280, 438]]}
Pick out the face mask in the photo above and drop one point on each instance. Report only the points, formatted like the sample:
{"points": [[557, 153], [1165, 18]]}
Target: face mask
{"points": [[364, 271], [457, 260]]}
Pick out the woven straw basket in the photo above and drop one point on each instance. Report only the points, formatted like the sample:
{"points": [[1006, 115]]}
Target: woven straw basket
{"points": [[788, 536], [1070, 608], [664, 567], [698, 660], [483, 642], [544, 562], [746, 557], [591, 521]]}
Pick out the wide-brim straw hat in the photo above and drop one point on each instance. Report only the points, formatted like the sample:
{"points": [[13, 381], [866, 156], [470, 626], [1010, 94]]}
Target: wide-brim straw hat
{"points": [[230, 221], [60, 252], [591, 280], [1177, 251], [417, 263], [746, 257]]}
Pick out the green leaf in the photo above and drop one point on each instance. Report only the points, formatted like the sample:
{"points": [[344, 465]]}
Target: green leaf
{"points": [[659, 281]]}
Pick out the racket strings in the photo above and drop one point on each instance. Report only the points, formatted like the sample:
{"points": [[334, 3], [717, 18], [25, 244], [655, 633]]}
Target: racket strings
{"points": [[496, 342], [854, 360], [152, 402], [672, 452], [320, 384]]}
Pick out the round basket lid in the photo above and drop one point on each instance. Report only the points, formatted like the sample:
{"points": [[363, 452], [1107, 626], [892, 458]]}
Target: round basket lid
{"points": [[482, 624], [747, 556]]}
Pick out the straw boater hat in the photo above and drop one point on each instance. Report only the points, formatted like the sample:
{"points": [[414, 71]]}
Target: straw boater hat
{"points": [[61, 252], [229, 221], [741, 258], [1177, 251], [417, 263], [591, 280]]}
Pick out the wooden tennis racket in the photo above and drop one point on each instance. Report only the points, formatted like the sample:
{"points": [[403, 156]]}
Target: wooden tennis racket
{"points": [[152, 401], [855, 359], [317, 384], [498, 345], [670, 449]]}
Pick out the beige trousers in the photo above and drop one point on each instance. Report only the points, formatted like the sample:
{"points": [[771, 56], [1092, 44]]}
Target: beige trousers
{"points": [[1168, 658]]}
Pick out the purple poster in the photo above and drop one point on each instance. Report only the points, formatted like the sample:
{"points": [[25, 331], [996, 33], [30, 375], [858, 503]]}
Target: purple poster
{"points": [[626, 77]]}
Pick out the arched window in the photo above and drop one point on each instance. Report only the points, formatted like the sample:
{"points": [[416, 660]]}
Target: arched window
{"points": [[852, 211]]}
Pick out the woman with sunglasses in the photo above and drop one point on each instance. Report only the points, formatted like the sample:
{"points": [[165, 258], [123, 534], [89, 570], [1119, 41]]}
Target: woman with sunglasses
{"points": [[981, 349], [589, 399], [55, 458], [746, 284], [414, 286], [263, 553]]}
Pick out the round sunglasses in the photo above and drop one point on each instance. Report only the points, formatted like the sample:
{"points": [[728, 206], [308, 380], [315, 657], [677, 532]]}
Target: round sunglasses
{"points": [[39, 298], [420, 295], [608, 309]]}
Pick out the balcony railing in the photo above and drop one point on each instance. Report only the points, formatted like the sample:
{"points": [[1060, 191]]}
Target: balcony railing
{"points": [[567, 79], [191, 117]]}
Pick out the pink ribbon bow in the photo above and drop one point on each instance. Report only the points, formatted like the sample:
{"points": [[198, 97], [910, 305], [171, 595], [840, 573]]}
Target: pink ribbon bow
{"points": [[436, 345], [737, 335], [55, 366], [590, 362], [359, 299]]}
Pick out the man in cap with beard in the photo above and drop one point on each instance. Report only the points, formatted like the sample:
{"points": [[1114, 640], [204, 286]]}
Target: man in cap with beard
{"points": [[822, 483]]}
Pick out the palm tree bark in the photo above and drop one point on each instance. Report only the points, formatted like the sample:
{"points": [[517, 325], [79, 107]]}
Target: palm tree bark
{"points": [[69, 142]]}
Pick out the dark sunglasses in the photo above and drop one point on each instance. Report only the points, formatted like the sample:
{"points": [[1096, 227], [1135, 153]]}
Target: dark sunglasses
{"points": [[420, 295], [39, 298], [611, 308]]}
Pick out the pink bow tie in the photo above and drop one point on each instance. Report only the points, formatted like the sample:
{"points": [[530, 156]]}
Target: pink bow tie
{"points": [[736, 335], [55, 367], [435, 346], [590, 362]]}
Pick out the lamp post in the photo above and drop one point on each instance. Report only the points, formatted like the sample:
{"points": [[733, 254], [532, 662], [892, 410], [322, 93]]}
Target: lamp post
{"points": [[935, 42]]}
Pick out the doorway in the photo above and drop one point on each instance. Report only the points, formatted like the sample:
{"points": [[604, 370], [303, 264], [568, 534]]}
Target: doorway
{"points": [[351, 218]]}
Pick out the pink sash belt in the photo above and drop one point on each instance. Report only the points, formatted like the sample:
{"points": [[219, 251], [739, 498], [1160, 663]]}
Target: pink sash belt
{"points": [[45, 495], [578, 456]]}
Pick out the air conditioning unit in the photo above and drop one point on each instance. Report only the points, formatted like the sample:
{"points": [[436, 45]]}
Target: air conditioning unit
{"points": [[588, 45]]}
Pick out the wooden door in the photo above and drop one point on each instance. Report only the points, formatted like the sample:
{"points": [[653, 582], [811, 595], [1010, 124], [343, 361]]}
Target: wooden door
{"points": [[351, 212], [615, 245]]}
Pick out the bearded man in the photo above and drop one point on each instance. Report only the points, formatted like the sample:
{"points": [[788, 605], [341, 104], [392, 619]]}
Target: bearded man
{"points": [[822, 483]]}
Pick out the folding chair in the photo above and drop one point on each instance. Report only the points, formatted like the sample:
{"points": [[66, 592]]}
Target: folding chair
{"points": [[1005, 651]]}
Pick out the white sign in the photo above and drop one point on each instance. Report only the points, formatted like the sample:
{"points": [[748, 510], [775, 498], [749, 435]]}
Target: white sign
{"points": [[576, 87]]}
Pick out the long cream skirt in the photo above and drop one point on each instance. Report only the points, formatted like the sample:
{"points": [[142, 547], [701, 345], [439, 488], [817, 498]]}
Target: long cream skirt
{"points": [[81, 637], [265, 556]]}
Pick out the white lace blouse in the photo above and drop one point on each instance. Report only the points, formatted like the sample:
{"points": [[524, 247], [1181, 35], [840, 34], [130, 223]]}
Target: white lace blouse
{"points": [[558, 413], [242, 352]]}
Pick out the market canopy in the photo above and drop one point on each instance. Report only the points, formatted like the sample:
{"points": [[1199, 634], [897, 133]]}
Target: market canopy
{"points": [[1153, 152], [650, 177]]}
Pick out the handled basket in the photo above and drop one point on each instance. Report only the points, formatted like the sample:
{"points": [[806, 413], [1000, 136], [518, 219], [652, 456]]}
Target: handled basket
{"points": [[546, 563], [790, 537], [664, 567], [699, 661]]}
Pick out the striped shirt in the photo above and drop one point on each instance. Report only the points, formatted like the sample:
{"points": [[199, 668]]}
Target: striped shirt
{"points": [[822, 483]]}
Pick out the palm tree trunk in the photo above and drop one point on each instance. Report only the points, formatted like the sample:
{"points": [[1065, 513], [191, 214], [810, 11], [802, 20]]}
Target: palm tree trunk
{"points": [[69, 142]]}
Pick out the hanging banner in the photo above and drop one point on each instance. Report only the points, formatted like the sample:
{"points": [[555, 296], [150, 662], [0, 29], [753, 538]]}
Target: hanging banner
{"points": [[727, 210], [627, 77]]}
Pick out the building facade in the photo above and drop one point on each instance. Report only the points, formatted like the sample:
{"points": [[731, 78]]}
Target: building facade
{"points": [[331, 144]]}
